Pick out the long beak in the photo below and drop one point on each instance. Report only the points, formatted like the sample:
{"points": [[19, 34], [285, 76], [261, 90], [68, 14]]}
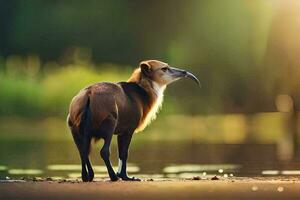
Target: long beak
{"points": [[193, 77], [183, 73]]}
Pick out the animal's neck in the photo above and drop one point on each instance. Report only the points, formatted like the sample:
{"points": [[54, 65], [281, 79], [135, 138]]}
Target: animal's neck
{"points": [[158, 90], [156, 93], [155, 98]]}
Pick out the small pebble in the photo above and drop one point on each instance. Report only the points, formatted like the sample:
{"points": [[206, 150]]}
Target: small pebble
{"points": [[280, 189], [49, 179], [225, 175], [150, 179], [196, 178], [34, 179], [254, 188], [215, 178], [62, 181]]}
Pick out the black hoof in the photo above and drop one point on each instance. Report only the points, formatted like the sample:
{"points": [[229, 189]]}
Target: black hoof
{"points": [[114, 178], [91, 177], [126, 178], [85, 178]]}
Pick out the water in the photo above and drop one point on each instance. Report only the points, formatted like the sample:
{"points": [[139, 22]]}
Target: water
{"points": [[60, 159], [224, 145]]}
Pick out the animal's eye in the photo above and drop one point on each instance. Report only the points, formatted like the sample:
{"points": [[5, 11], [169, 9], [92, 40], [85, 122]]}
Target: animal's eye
{"points": [[164, 69]]}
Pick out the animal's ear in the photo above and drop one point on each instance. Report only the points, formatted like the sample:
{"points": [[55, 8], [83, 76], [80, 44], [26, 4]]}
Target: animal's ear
{"points": [[145, 68]]}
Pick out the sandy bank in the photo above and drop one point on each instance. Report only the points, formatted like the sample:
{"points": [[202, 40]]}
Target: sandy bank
{"points": [[234, 188]]}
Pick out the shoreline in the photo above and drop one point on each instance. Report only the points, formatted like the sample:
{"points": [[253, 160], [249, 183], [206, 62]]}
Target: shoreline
{"points": [[231, 188]]}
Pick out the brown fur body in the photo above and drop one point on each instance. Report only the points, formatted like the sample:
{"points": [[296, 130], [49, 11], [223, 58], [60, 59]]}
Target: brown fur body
{"points": [[117, 100]]}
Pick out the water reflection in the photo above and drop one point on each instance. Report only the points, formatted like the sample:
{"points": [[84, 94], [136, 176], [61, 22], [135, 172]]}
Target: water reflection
{"points": [[290, 172], [67, 167], [151, 160], [56, 178], [283, 172], [97, 168], [174, 171], [78, 175], [25, 171], [200, 168]]}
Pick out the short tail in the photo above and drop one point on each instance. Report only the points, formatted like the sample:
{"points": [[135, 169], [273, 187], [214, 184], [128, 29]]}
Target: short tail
{"points": [[84, 125], [82, 138]]}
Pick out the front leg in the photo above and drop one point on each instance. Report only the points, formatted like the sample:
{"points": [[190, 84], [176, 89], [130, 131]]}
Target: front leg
{"points": [[123, 146]]}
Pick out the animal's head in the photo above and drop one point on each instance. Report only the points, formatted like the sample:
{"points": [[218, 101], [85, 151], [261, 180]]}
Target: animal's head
{"points": [[162, 74]]}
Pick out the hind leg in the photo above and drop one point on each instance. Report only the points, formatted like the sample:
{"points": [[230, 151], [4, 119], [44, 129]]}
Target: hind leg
{"points": [[123, 147], [90, 170], [85, 158], [83, 146], [105, 153], [107, 129]]}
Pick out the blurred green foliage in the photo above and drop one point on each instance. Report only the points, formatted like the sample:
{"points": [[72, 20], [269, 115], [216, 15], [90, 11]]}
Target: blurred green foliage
{"points": [[49, 94]]}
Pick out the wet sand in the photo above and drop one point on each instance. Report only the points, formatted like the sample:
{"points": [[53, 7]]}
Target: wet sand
{"points": [[231, 188]]}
